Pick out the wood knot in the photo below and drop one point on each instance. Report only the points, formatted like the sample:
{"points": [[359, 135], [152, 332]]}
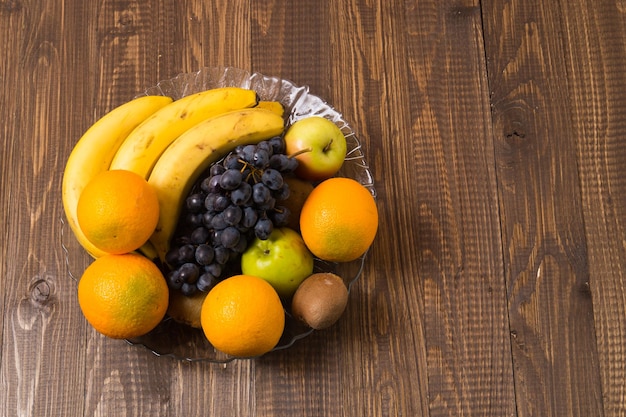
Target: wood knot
{"points": [[10, 6], [515, 134], [41, 291], [126, 18]]}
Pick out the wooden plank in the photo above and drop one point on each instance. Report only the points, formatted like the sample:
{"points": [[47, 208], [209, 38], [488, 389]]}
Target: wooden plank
{"points": [[189, 35], [370, 87], [545, 248], [119, 44], [40, 329], [455, 212], [595, 35], [281, 41]]}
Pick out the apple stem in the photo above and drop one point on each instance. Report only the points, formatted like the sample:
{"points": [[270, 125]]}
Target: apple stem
{"points": [[301, 151], [327, 147]]}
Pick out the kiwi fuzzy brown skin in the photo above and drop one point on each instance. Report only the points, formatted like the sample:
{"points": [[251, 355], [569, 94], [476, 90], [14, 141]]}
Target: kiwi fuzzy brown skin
{"points": [[320, 300], [186, 309]]}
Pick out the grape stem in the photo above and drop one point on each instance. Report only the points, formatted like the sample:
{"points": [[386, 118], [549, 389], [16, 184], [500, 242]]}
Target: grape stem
{"points": [[255, 172]]}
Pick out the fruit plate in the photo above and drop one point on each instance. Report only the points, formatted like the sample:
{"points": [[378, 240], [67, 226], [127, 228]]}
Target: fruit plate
{"points": [[173, 339]]}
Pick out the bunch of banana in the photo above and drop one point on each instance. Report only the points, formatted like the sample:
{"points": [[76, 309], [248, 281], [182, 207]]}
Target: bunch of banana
{"points": [[169, 143]]}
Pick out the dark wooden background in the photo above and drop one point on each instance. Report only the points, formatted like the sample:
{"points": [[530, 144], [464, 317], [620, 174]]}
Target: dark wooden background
{"points": [[496, 131]]}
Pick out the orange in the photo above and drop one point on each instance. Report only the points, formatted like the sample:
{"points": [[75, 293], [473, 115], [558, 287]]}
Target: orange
{"points": [[118, 211], [242, 316], [123, 296], [339, 220]]}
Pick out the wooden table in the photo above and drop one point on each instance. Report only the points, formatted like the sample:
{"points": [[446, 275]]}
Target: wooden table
{"points": [[496, 132]]}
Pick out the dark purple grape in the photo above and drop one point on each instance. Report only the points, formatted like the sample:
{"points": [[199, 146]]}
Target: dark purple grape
{"points": [[216, 238], [174, 279], [194, 202], [207, 218], [272, 178], [189, 272], [230, 179], [204, 254], [186, 253], [221, 202], [280, 216], [218, 222], [205, 282], [268, 205], [209, 201], [193, 219], [241, 195], [188, 289], [222, 255], [283, 192], [249, 217], [230, 237], [279, 162], [278, 145], [205, 184], [247, 153], [216, 169], [260, 159], [214, 269], [292, 166], [241, 246], [265, 146], [260, 193], [172, 256], [200, 235], [263, 228], [232, 215], [214, 184], [232, 161]]}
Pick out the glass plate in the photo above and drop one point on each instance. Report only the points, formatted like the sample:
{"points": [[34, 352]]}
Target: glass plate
{"points": [[176, 340]]}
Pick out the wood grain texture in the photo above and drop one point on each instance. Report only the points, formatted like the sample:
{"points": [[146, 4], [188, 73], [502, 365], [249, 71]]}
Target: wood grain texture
{"points": [[34, 289], [550, 309], [460, 263], [278, 41], [495, 132], [598, 109]]}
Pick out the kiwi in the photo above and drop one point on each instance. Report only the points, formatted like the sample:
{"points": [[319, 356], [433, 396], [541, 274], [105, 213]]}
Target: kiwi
{"points": [[186, 309], [320, 300]]}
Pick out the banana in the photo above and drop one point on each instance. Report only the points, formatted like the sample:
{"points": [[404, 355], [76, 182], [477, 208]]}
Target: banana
{"points": [[144, 145], [193, 152], [148, 250], [94, 151], [275, 106]]}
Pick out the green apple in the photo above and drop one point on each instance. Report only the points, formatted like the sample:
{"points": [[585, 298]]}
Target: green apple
{"points": [[283, 260], [319, 146]]}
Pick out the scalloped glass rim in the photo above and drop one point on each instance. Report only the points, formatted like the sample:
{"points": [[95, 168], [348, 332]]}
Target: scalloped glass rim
{"points": [[178, 341]]}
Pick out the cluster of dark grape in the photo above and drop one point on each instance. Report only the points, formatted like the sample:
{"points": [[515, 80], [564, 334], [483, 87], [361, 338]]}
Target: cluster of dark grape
{"points": [[237, 200]]}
